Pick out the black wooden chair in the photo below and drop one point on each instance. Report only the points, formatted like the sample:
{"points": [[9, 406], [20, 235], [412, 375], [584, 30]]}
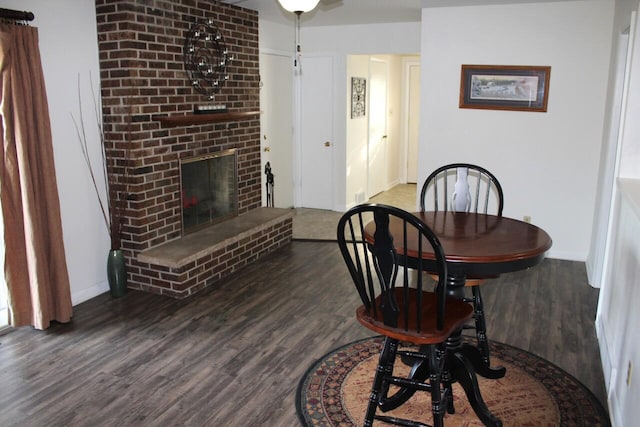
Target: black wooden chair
{"points": [[464, 187], [402, 311]]}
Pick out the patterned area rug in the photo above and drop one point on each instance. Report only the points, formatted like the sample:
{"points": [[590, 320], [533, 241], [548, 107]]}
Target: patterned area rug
{"points": [[534, 392]]}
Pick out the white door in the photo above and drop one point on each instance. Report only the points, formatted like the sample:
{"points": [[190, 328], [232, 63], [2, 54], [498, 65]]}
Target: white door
{"points": [[377, 149], [316, 132], [413, 123], [276, 124]]}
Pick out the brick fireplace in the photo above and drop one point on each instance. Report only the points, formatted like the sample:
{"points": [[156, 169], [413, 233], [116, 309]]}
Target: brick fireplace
{"points": [[147, 104]]}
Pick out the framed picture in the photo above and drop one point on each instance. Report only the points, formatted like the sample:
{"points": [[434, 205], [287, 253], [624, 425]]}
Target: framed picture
{"points": [[358, 97], [504, 87]]}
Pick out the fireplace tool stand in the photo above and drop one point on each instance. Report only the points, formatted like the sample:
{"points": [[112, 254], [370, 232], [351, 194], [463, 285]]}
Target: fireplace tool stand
{"points": [[269, 184]]}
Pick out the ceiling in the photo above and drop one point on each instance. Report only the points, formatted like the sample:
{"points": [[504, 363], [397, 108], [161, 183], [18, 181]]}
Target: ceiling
{"points": [[352, 12], [338, 12]]}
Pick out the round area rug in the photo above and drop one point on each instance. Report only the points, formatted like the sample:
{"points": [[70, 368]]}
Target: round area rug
{"points": [[534, 392]]}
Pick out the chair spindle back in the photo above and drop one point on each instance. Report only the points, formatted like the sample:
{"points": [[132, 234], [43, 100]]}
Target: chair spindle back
{"points": [[462, 187], [380, 267]]}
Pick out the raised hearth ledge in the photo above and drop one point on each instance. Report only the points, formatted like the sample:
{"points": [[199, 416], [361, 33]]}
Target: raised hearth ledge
{"points": [[191, 247]]}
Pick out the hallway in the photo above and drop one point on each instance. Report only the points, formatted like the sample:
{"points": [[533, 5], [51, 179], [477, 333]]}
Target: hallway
{"points": [[317, 224]]}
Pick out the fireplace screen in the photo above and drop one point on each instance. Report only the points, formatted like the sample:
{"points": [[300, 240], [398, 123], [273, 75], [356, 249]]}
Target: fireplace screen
{"points": [[208, 187]]}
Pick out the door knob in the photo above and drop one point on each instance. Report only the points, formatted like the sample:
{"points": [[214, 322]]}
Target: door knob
{"points": [[327, 144], [267, 149]]}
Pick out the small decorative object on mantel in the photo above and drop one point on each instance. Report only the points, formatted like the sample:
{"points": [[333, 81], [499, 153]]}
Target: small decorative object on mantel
{"points": [[505, 87], [358, 97], [210, 109], [206, 59]]}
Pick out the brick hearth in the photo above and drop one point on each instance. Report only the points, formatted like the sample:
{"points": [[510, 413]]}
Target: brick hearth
{"points": [[199, 259], [143, 78]]}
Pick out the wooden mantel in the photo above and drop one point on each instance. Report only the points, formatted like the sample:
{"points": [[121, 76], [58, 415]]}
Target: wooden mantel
{"points": [[201, 119]]}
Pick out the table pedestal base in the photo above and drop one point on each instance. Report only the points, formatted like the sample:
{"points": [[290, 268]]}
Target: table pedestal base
{"points": [[462, 371], [463, 363], [460, 364]]}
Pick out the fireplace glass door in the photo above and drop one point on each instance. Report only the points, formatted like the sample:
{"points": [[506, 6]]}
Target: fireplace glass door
{"points": [[208, 189]]}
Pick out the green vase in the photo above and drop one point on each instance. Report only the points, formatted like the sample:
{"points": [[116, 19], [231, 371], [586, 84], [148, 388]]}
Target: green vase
{"points": [[117, 273]]}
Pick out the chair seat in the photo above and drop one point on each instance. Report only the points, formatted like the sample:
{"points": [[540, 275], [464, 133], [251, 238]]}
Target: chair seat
{"points": [[457, 314]]}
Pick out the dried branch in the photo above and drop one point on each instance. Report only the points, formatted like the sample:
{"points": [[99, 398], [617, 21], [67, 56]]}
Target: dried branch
{"points": [[113, 207]]}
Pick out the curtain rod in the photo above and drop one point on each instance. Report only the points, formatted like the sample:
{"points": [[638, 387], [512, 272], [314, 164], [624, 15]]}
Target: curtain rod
{"points": [[16, 15]]}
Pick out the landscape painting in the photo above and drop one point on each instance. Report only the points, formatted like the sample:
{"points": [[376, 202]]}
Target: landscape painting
{"points": [[503, 87]]}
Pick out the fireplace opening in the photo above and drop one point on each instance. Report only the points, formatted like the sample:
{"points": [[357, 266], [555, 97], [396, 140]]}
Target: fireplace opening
{"points": [[208, 189]]}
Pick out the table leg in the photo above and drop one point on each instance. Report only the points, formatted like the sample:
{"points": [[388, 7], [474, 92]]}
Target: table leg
{"points": [[463, 372], [478, 356], [465, 361], [482, 360]]}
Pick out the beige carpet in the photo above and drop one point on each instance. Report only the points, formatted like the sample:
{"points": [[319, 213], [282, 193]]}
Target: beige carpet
{"points": [[318, 224]]}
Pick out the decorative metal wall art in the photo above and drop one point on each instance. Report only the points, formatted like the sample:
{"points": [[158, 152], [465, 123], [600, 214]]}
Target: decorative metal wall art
{"points": [[358, 97], [206, 58]]}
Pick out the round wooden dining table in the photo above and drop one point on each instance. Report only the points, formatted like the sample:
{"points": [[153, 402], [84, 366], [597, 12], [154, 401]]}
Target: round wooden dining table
{"points": [[475, 246], [479, 245]]}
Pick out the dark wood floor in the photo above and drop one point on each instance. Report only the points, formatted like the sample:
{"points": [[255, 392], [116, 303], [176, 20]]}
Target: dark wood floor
{"points": [[233, 354]]}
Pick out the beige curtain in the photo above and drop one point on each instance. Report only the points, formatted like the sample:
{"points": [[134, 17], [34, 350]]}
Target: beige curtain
{"points": [[35, 263]]}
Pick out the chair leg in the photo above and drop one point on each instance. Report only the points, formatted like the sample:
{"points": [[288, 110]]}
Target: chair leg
{"points": [[386, 359], [387, 371], [436, 366], [448, 390]]}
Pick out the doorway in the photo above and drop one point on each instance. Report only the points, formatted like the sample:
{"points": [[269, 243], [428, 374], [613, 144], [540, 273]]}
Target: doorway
{"points": [[377, 151], [377, 147], [412, 123], [316, 132], [336, 180], [596, 267], [276, 124]]}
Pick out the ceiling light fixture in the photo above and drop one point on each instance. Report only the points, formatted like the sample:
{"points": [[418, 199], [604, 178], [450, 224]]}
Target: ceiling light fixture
{"points": [[298, 7]]}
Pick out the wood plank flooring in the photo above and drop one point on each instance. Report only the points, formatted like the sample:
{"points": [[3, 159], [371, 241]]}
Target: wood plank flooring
{"points": [[232, 355]]}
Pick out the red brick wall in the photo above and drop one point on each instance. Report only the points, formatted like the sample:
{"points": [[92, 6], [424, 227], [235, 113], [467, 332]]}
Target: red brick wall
{"points": [[142, 75]]}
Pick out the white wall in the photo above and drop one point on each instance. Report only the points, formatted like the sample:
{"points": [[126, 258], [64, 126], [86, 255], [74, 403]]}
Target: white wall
{"points": [[546, 162], [68, 47], [273, 36], [618, 315], [608, 151], [357, 136], [401, 38], [620, 293], [396, 98]]}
